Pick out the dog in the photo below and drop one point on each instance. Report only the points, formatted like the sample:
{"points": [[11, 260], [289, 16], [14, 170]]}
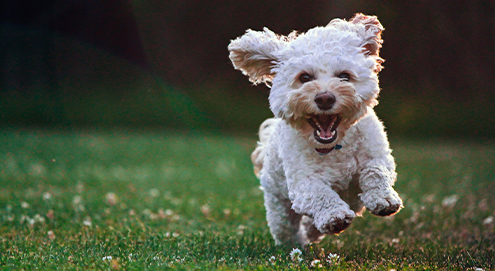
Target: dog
{"points": [[325, 156]]}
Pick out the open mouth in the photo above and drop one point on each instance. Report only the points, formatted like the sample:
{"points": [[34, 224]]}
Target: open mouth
{"points": [[325, 127]]}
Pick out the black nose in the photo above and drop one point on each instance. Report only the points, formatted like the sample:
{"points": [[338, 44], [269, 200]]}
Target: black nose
{"points": [[325, 100]]}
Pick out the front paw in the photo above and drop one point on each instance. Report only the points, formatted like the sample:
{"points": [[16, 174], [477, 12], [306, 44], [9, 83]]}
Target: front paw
{"points": [[334, 221], [382, 202]]}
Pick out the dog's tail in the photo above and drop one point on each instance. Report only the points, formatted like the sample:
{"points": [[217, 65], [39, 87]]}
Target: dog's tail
{"points": [[258, 155]]}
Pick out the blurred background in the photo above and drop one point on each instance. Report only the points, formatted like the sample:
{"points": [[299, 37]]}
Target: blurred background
{"points": [[164, 64]]}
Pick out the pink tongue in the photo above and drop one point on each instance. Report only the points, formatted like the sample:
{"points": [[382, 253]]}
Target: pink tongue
{"points": [[326, 134], [325, 123]]}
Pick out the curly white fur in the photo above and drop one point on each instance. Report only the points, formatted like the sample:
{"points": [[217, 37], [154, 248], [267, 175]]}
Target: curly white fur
{"points": [[311, 186]]}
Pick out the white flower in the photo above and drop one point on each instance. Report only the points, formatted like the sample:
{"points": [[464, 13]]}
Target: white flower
{"points": [[296, 254], [205, 209], [24, 205], [450, 201], [24, 218], [107, 258], [333, 258], [77, 200], [147, 212], [316, 263], [240, 229], [47, 196], [488, 220], [87, 222], [154, 192], [51, 235], [272, 259], [111, 198], [38, 218], [79, 187]]}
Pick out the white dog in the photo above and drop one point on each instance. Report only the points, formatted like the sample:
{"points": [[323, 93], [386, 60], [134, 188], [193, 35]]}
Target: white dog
{"points": [[325, 156]]}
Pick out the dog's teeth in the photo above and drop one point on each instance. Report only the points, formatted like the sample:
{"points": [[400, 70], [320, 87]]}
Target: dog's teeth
{"points": [[318, 132]]}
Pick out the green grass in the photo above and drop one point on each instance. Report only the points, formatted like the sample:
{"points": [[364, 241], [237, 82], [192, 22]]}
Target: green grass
{"points": [[175, 200]]}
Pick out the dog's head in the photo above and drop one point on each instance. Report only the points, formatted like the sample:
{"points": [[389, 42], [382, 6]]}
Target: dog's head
{"points": [[323, 81]]}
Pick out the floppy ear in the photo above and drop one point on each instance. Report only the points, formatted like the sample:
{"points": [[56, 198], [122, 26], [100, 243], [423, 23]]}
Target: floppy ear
{"points": [[372, 40], [256, 53]]}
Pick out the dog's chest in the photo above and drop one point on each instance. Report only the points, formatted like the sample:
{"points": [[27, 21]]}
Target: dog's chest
{"points": [[336, 168]]}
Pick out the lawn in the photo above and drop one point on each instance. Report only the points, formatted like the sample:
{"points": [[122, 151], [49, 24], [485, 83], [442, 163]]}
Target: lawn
{"points": [[156, 199]]}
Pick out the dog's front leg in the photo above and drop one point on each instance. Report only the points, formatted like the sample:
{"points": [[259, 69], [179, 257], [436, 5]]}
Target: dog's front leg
{"points": [[284, 223], [378, 196], [316, 199]]}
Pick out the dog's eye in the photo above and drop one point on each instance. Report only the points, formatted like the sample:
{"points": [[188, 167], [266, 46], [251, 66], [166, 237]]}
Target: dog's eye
{"points": [[304, 78], [344, 76]]}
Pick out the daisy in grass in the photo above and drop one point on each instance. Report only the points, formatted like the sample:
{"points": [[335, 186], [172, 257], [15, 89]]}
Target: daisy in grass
{"points": [[295, 255]]}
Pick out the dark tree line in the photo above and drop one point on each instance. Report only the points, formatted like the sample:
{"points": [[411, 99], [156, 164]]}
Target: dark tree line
{"points": [[432, 44], [439, 69]]}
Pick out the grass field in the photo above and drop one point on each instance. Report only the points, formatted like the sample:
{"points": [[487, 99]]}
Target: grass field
{"points": [[157, 199]]}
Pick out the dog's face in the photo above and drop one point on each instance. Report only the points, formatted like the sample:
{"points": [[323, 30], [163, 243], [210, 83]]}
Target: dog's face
{"points": [[322, 81]]}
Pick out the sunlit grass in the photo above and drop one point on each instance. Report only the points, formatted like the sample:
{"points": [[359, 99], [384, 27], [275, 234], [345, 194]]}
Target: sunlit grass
{"points": [[159, 199]]}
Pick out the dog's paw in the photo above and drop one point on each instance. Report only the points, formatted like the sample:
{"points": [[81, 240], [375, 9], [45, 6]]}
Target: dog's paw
{"points": [[334, 221], [382, 202]]}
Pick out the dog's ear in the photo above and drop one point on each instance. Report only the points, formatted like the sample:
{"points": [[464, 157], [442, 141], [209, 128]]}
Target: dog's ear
{"points": [[372, 40], [256, 53]]}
